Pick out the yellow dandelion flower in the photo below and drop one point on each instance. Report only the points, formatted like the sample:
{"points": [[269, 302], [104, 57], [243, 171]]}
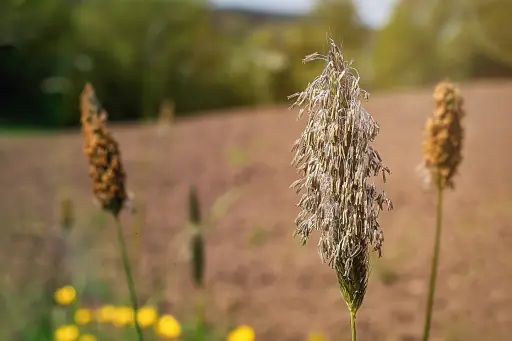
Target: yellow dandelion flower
{"points": [[167, 327], [316, 337], [87, 337], [67, 332], [83, 316], [146, 316], [65, 295], [242, 333], [123, 316], [105, 314]]}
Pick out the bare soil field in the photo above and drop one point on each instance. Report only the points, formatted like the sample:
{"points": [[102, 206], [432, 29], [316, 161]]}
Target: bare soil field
{"points": [[256, 272]]}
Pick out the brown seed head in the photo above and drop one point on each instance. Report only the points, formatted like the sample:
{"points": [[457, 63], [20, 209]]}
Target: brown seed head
{"points": [[102, 151], [442, 147], [336, 161]]}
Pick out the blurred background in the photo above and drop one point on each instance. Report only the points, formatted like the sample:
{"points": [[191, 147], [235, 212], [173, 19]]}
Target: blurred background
{"points": [[196, 93], [229, 53]]}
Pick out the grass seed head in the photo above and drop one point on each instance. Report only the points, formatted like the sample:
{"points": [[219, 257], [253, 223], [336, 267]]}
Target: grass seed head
{"points": [[442, 146], [196, 242], [166, 112], [336, 160], [194, 209], [103, 153], [66, 214]]}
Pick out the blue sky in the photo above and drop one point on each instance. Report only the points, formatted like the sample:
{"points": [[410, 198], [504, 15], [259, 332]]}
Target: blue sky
{"points": [[373, 12]]}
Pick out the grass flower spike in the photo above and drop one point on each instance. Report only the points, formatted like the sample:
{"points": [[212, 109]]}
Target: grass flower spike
{"points": [[66, 214], [442, 147], [105, 166], [108, 177], [442, 154], [336, 160]]}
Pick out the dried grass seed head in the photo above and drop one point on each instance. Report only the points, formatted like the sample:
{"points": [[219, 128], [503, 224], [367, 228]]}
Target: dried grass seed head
{"points": [[336, 160], [442, 146], [103, 153]]}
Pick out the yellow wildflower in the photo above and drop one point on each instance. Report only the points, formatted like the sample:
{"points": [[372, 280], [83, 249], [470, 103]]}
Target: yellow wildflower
{"points": [[65, 295], [316, 337], [87, 337], [67, 332], [242, 333], [123, 316], [83, 316], [105, 314], [168, 327], [146, 316]]}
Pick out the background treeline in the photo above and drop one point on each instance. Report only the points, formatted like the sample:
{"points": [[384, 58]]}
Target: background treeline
{"points": [[139, 53]]}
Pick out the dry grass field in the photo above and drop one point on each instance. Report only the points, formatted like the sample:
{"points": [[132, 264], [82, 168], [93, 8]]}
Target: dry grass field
{"points": [[256, 272]]}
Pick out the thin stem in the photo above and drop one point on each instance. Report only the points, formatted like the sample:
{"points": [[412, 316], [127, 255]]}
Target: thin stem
{"points": [[353, 325], [435, 261], [200, 306], [129, 278]]}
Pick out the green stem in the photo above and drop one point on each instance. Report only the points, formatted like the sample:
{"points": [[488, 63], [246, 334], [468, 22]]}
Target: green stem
{"points": [[435, 261], [129, 278], [353, 325]]}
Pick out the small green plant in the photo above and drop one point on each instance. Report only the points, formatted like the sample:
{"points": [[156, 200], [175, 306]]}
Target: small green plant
{"points": [[237, 157], [258, 237], [197, 253], [222, 204]]}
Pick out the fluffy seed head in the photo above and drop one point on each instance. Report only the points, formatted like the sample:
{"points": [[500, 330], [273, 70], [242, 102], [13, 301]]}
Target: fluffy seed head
{"points": [[442, 146], [102, 151], [336, 160]]}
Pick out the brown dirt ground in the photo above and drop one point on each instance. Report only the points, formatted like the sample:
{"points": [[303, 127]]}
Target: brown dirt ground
{"points": [[256, 272]]}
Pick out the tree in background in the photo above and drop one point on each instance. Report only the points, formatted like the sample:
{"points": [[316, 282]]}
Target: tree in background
{"points": [[427, 40], [162, 49], [35, 40], [138, 53], [405, 51]]}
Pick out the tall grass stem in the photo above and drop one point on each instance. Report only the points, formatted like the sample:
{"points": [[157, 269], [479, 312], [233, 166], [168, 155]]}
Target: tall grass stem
{"points": [[200, 306], [435, 261], [129, 277], [353, 325]]}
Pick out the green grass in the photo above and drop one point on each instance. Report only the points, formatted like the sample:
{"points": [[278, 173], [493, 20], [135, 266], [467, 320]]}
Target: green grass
{"points": [[22, 131], [34, 315], [383, 272], [237, 157], [222, 205], [257, 237]]}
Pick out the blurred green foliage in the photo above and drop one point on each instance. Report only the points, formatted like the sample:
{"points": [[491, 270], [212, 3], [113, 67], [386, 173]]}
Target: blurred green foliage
{"points": [[425, 41], [137, 53]]}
